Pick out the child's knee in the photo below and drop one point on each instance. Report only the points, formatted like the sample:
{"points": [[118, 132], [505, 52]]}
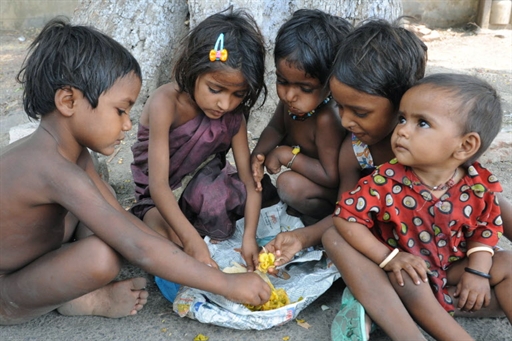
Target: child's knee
{"points": [[104, 262], [501, 265], [288, 188]]}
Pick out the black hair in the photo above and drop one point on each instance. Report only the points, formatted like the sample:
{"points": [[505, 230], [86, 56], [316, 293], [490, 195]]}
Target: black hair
{"points": [[246, 52], [77, 56], [480, 105], [309, 41], [382, 59]]}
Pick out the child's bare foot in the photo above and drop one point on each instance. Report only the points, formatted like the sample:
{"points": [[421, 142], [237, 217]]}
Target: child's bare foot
{"points": [[117, 299]]}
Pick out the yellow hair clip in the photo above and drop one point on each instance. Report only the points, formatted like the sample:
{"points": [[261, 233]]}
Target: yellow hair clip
{"points": [[219, 52]]}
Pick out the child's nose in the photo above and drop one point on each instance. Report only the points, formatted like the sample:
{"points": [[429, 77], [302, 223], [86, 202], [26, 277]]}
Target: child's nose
{"points": [[291, 95], [127, 122], [346, 121], [223, 103], [402, 130]]}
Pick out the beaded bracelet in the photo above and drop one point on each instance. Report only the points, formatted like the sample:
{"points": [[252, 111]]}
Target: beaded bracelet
{"points": [[478, 273], [480, 248], [389, 258]]}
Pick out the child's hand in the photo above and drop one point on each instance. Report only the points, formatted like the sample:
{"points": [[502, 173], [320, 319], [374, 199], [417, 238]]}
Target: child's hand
{"points": [[473, 292], [414, 266], [247, 288], [250, 252], [285, 245], [200, 252], [257, 163]]}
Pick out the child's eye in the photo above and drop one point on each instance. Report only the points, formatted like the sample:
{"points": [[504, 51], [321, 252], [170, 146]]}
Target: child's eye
{"points": [[423, 124], [213, 91], [307, 90], [281, 81], [240, 94], [121, 112], [360, 114], [401, 120]]}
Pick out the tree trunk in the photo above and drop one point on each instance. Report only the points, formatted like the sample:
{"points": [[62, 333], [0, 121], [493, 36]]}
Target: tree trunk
{"points": [[151, 29]]}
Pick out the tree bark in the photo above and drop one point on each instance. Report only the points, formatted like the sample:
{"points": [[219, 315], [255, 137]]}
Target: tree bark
{"points": [[151, 30]]}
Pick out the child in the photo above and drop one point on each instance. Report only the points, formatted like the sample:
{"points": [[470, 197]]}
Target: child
{"points": [[377, 62], [82, 85], [433, 209], [185, 189], [304, 133]]}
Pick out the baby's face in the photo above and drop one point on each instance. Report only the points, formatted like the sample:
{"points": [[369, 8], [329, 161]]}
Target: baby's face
{"points": [[429, 127], [370, 118], [299, 92]]}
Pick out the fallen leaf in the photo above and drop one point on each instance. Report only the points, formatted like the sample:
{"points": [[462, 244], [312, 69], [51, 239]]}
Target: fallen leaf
{"points": [[286, 338]]}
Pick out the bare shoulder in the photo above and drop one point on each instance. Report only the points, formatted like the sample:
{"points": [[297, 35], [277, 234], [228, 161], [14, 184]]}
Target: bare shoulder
{"points": [[161, 101], [328, 116], [167, 106], [35, 165]]}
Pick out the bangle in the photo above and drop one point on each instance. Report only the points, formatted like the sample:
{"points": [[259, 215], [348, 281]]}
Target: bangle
{"points": [[295, 151], [480, 248], [478, 273], [389, 258]]}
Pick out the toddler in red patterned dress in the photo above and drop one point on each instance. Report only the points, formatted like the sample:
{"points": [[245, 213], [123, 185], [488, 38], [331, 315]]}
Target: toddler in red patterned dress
{"points": [[430, 218]]}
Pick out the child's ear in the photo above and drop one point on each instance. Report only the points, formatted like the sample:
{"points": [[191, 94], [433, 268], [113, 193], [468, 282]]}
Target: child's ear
{"points": [[65, 100], [470, 144]]}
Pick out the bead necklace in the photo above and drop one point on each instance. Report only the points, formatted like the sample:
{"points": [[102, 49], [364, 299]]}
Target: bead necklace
{"points": [[311, 113], [440, 187]]}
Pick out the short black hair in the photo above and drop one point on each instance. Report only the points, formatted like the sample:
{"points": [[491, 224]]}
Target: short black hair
{"points": [[246, 52], [381, 58], [309, 41], [480, 105], [77, 56]]}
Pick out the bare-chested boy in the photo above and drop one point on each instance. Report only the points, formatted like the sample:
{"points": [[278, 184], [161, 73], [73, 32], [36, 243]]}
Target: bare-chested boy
{"points": [[82, 85]]}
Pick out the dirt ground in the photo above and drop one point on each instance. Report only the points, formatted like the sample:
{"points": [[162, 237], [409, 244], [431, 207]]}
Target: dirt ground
{"points": [[487, 54]]}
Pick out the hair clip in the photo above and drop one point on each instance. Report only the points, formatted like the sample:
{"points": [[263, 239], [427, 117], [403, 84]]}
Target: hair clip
{"points": [[219, 52]]}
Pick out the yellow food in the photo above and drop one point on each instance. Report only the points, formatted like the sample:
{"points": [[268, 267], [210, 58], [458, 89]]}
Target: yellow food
{"points": [[266, 260], [278, 297]]}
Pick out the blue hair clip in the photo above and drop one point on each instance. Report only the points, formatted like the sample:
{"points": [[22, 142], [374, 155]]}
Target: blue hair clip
{"points": [[219, 52]]}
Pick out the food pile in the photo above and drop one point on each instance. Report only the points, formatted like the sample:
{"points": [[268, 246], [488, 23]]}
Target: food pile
{"points": [[278, 297]]}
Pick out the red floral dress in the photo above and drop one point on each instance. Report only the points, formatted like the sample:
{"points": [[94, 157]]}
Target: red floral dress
{"points": [[402, 213]]}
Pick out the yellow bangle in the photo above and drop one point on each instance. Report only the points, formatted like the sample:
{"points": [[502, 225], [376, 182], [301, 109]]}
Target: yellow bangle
{"points": [[480, 248], [389, 258], [295, 151]]}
